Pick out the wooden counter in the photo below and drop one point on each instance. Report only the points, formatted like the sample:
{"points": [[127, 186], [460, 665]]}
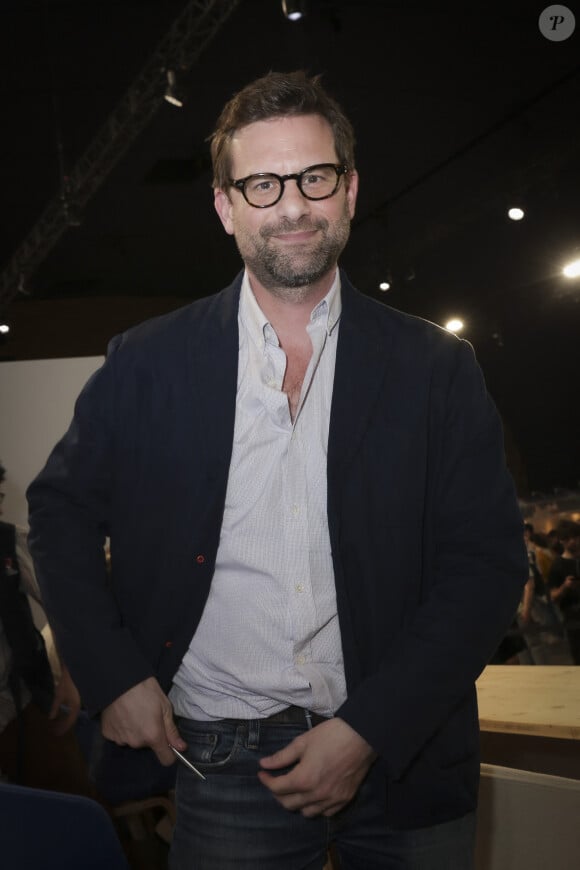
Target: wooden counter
{"points": [[534, 699]]}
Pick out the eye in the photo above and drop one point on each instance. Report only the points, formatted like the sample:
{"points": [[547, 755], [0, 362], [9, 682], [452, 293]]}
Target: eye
{"points": [[319, 176], [313, 178], [261, 184]]}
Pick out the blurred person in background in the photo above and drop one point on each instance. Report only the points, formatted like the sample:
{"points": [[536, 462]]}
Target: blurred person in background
{"points": [[35, 714], [564, 582]]}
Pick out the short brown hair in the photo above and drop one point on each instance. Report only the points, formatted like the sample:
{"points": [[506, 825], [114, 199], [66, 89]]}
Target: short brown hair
{"points": [[277, 95]]}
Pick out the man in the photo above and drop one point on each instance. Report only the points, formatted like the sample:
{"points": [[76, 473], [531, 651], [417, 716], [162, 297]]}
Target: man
{"points": [[564, 583], [537, 619], [315, 544], [34, 714]]}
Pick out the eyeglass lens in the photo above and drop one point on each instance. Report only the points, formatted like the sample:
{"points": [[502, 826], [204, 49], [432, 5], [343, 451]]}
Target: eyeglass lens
{"points": [[316, 182]]}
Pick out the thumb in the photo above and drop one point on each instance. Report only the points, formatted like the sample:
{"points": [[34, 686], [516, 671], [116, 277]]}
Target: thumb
{"points": [[174, 738], [283, 758]]}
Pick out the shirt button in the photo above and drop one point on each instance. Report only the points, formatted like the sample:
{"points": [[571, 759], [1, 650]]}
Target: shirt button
{"points": [[299, 587], [295, 510], [300, 660]]}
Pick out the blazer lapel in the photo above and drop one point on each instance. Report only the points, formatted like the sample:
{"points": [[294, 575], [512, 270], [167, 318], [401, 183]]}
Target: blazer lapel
{"points": [[361, 366], [214, 372]]}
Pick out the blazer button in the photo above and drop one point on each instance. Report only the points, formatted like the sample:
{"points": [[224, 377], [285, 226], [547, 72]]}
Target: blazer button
{"points": [[168, 643], [200, 559]]}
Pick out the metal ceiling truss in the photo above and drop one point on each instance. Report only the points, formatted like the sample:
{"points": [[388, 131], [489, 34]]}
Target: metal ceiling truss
{"points": [[189, 35]]}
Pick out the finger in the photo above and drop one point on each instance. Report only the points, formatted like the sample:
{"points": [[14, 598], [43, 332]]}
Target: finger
{"points": [[284, 758], [334, 809], [282, 786], [327, 808], [164, 754], [162, 746], [292, 802], [306, 806], [311, 811]]}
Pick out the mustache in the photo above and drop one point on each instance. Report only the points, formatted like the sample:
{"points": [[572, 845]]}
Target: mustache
{"points": [[285, 225]]}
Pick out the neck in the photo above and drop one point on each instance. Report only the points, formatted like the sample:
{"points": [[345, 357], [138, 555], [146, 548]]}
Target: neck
{"points": [[290, 315]]}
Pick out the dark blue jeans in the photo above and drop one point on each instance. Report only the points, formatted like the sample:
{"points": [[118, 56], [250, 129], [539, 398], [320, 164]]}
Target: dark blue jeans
{"points": [[232, 821]]}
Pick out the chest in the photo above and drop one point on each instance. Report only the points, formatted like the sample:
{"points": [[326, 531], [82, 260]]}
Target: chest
{"points": [[296, 367]]}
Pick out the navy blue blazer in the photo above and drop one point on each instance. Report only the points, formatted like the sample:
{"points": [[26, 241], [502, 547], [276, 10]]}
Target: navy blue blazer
{"points": [[425, 529]]}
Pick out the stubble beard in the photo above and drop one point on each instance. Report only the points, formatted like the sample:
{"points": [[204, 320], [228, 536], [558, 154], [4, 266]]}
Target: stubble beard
{"points": [[289, 274]]}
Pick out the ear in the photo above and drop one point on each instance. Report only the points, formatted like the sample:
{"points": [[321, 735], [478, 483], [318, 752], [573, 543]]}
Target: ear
{"points": [[223, 206], [352, 192]]}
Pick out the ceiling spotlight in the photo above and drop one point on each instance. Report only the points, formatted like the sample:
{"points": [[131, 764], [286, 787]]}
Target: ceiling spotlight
{"points": [[4, 328], [516, 213], [294, 10], [384, 286], [572, 270], [454, 325], [173, 93]]}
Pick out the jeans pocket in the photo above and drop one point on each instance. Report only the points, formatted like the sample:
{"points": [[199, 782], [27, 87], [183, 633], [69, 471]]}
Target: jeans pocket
{"points": [[208, 747]]}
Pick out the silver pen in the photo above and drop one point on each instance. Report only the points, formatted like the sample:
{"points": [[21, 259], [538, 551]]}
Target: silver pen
{"points": [[186, 762]]}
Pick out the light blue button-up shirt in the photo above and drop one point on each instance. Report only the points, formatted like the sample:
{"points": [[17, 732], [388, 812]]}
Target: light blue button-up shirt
{"points": [[269, 635]]}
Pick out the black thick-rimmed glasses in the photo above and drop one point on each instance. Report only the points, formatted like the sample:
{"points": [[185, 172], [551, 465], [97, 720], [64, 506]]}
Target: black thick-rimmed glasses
{"points": [[264, 189]]}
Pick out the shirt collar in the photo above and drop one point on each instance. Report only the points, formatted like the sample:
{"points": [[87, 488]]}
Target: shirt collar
{"points": [[330, 307], [259, 328]]}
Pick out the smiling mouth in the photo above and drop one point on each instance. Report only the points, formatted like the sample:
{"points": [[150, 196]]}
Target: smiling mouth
{"points": [[294, 232], [296, 237]]}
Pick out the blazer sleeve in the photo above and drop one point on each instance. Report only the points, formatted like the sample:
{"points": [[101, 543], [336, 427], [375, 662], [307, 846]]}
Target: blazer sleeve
{"points": [[474, 569], [69, 521]]}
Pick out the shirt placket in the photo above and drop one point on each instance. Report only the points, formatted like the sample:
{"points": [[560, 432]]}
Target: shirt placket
{"points": [[303, 610], [298, 578]]}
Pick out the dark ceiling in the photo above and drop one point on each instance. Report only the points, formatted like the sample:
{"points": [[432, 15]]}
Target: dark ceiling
{"points": [[460, 110]]}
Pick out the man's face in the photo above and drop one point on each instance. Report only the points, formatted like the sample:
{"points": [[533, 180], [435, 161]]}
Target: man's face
{"points": [[296, 242]]}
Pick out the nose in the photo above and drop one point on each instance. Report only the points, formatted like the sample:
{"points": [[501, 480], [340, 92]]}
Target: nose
{"points": [[292, 203]]}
